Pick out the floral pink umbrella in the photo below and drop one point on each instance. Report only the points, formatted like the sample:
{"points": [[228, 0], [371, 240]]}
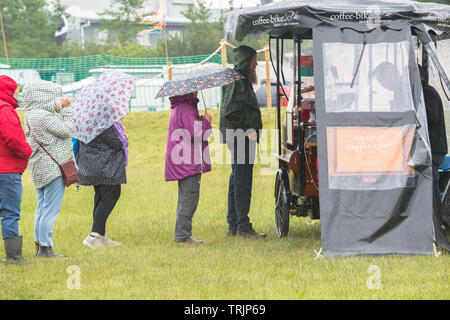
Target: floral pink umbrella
{"points": [[97, 106]]}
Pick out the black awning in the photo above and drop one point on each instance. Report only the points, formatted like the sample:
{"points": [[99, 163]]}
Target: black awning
{"points": [[287, 18]]}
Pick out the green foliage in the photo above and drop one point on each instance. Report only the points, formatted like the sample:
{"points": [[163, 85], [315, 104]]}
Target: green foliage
{"points": [[131, 50], [75, 50], [202, 34], [121, 23], [175, 48], [29, 28]]}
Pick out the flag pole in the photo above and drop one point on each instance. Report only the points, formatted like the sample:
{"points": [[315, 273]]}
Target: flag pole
{"points": [[165, 44], [163, 10], [4, 37]]}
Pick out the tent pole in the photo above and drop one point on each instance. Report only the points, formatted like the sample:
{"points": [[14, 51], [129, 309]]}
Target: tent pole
{"points": [[278, 97], [268, 81], [4, 37], [425, 63], [299, 88], [294, 73], [301, 135]]}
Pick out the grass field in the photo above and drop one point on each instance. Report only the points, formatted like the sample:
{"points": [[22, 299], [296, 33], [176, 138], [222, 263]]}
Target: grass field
{"points": [[150, 265]]}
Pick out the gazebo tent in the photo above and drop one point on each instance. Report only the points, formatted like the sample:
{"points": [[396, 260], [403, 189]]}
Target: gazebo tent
{"points": [[299, 17], [374, 157]]}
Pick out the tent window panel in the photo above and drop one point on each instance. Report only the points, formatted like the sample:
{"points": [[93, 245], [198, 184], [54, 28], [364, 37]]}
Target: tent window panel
{"points": [[379, 74], [369, 158]]}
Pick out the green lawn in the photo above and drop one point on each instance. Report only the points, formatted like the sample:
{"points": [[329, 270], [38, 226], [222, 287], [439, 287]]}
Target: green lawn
{"points": [[150, 265]]}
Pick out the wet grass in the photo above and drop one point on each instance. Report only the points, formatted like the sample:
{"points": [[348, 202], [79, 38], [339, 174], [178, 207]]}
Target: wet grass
{"points": [[150, 265]]}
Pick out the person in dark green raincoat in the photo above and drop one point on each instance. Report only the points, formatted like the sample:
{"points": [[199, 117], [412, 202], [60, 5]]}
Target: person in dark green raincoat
{"points": [[240, 125]]}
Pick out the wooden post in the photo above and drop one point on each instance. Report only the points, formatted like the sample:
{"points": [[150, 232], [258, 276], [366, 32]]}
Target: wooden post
{"points": [[4, 37], [169, 70], [268, 82], [224, 53]]}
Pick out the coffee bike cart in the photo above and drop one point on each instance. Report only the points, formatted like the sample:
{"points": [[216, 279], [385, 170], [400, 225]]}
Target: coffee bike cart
{"points": [[362, 139]]}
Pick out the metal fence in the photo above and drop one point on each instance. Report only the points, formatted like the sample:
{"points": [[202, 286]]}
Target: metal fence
{"points": [[75, 72]]}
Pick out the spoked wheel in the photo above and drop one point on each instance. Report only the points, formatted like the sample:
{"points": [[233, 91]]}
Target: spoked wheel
{"points": [[281, 209]]}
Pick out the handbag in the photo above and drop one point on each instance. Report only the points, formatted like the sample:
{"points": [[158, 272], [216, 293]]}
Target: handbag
{"points": [[69, 170]]}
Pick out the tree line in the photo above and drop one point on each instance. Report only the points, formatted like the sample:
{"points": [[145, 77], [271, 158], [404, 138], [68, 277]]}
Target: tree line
{"points": [[30, 26]]}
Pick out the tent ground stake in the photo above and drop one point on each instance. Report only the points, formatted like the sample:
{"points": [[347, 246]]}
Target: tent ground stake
{"points": [[319, 254], [436, 253]]}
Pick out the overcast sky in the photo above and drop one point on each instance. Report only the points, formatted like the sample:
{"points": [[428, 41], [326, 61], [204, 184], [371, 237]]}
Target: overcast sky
{"points": [[224, 4], [236, 3]]}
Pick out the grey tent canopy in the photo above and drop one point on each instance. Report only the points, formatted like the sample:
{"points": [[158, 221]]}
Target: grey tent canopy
{"points": [[369, 102], [285, 18]]}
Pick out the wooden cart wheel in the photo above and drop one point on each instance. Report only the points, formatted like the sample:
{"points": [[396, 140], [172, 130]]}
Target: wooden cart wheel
{"points": [[281, 209]]}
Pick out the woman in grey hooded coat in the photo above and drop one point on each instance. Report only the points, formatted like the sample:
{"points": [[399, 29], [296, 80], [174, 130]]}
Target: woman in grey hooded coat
{"points": [[48, 124]]}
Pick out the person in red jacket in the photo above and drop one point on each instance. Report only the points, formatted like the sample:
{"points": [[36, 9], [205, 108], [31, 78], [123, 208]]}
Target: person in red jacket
{"points": [[14, 155]]}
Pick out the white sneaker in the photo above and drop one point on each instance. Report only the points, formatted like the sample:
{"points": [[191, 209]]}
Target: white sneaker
{"points": [[108, 242], [93, 242]]}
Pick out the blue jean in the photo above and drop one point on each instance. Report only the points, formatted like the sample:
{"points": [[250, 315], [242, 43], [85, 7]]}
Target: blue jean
{"points": [[240, 185], [10, 199], [49, 200]]}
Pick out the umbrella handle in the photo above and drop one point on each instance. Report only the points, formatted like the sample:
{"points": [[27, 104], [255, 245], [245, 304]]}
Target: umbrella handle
{"points": [[211, 138], [203, 98]]}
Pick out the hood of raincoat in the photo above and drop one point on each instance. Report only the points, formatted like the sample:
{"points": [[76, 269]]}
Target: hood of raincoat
{"points": [[14, 149], [242, 58], [7, 89], [239, 107], [187, 98], [41, 95]]}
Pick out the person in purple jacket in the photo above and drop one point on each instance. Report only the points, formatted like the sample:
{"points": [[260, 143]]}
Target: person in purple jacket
{"points": [[187, 158]]}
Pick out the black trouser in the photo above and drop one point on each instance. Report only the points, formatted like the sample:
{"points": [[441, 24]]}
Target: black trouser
{"points": [[240, 184], [104, 202]]}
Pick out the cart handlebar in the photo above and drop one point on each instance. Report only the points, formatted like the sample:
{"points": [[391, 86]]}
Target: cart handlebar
{"points": [[307, 124]]}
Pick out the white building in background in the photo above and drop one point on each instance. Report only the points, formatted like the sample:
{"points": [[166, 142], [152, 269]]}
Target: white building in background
{"points": [[84, 20]]}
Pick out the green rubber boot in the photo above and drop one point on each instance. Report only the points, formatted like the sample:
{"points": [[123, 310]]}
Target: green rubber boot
{"points": [[13, 248]]}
